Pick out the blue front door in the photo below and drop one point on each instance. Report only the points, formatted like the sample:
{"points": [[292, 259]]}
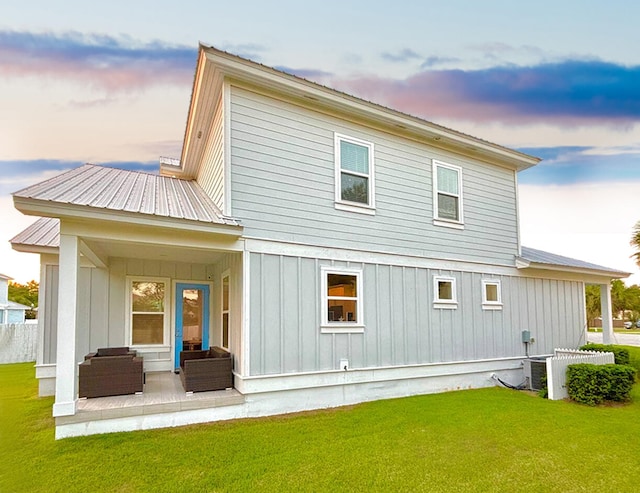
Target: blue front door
{"points": [[192, 318]]}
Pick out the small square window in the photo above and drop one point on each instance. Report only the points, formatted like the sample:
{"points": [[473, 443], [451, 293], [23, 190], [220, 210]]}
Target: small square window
{"points": [[491, 295], [354, 174], [444, 292]]}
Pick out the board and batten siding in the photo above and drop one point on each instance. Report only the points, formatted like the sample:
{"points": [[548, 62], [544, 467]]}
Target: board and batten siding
{"points": [[402, 327], [211, 173], [283, 179], [91, 330]]}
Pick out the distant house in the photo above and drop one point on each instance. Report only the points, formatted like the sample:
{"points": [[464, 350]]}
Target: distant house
{"points": [[342, 252], [10, 311]]}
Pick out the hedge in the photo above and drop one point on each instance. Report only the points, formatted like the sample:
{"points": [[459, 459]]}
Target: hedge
{"points": [[620, 354], [592, 384]]}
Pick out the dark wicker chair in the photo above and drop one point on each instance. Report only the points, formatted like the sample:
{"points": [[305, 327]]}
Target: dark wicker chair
{"points": [[201, 371], [110, 371]]}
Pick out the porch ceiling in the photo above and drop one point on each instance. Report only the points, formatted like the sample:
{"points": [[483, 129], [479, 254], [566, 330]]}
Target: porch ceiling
{"points": [[112, 248]]}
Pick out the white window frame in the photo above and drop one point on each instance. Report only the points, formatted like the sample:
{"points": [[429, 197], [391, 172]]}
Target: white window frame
{"points": [[447, 304], [168, 313], [491, 305], [437, 220], [225, 275], [333, 327], [347, 205]]}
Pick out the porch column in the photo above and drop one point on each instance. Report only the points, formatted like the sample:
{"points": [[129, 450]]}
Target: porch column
{"points": [[607, 315], [66, 366]]}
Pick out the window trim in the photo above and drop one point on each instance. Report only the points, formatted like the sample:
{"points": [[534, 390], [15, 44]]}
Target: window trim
{"points": [[328, 327], [168, 313], [491, 305], [225, 275], [440, 221], [450, 304], [347, 205]]}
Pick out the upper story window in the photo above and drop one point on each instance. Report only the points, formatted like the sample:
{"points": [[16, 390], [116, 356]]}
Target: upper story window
{"points": [[149, 312], [444, 289], [341, 300], [491, 295], [354, 175], [447, 193]]}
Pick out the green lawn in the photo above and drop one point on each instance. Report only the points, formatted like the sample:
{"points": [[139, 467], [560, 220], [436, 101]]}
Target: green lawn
{"points": [[475, 440]]}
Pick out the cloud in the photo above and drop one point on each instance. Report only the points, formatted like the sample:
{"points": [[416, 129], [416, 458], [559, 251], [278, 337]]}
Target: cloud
{"points": [[432, 61], [251, 51], [568, 92], [582, 165], [113, 64], [403, 55]]}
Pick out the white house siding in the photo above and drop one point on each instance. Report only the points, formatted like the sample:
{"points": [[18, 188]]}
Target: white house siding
{"points": [[283, 173], [211, 173], [401, 325], [4, 290]]}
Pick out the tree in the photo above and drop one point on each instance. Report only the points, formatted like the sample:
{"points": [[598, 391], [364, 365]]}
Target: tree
{"points": [[25, 294], [635, 242], [592, 299]]}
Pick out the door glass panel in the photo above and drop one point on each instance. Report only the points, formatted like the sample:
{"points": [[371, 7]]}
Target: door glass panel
{"points": [[225, 312], [192, 310]]}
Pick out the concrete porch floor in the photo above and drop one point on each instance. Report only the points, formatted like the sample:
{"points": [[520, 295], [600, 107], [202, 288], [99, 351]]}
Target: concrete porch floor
{"points": [[163, 393]]}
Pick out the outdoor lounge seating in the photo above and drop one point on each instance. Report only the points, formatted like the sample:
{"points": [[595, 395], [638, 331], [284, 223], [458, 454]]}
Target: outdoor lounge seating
{"points": [[110, 371], [206, 370]]}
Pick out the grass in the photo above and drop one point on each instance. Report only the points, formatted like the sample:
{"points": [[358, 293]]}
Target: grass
{"points": [[473, 441]]}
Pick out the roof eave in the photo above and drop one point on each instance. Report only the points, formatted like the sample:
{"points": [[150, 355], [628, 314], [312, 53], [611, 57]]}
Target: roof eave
{"points": [[522, 263], [252, 72], [35, 207]]}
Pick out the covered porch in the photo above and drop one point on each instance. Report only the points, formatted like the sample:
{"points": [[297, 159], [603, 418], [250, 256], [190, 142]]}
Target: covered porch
{"points": [[163, 399], [119, 251]]}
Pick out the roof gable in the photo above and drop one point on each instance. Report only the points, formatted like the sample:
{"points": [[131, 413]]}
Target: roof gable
{"points": [[216, 66]]}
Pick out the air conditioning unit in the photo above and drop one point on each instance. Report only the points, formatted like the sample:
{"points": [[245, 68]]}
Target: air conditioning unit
{"points": [[535, 369]]}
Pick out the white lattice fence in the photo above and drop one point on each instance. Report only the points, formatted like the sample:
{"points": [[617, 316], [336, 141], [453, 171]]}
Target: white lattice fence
{"points": [[18, 343], [557, 368]]}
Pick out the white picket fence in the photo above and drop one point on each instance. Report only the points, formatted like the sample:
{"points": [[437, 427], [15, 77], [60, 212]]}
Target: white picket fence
{"points": [[562, 358], [18, 342]]}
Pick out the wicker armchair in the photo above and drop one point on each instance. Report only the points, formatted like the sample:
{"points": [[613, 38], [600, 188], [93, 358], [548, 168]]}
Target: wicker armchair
{"points": [[206, 370], [110, 371]]}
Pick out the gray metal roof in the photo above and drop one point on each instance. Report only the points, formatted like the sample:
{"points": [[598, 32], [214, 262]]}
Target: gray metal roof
{"points": [[128, 191], [45, 232], [551, 259]]}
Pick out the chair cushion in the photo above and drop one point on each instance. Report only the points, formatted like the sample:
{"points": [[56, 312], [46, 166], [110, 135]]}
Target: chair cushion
{"points": [[113, 351]]}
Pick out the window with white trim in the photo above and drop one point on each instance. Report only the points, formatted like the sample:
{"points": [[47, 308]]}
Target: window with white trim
{"points": [[341, 300], [444, 292], [149, 308], [354, 174], [447, 194], [491, 294]]}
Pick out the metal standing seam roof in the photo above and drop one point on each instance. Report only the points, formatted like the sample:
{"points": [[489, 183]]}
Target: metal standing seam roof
{"points": [[45, 232], [552, 259], [128, 191]]}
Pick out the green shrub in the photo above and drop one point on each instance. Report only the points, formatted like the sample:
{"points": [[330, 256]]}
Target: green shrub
{"points": [[592, 384], [620, 354]]}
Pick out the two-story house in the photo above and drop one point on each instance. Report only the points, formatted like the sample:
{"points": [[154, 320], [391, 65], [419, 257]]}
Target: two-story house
{"points": [[340, 250]]}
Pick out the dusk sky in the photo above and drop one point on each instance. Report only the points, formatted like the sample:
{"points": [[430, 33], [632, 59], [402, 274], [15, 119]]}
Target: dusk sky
{"points": [[109, 83]]}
